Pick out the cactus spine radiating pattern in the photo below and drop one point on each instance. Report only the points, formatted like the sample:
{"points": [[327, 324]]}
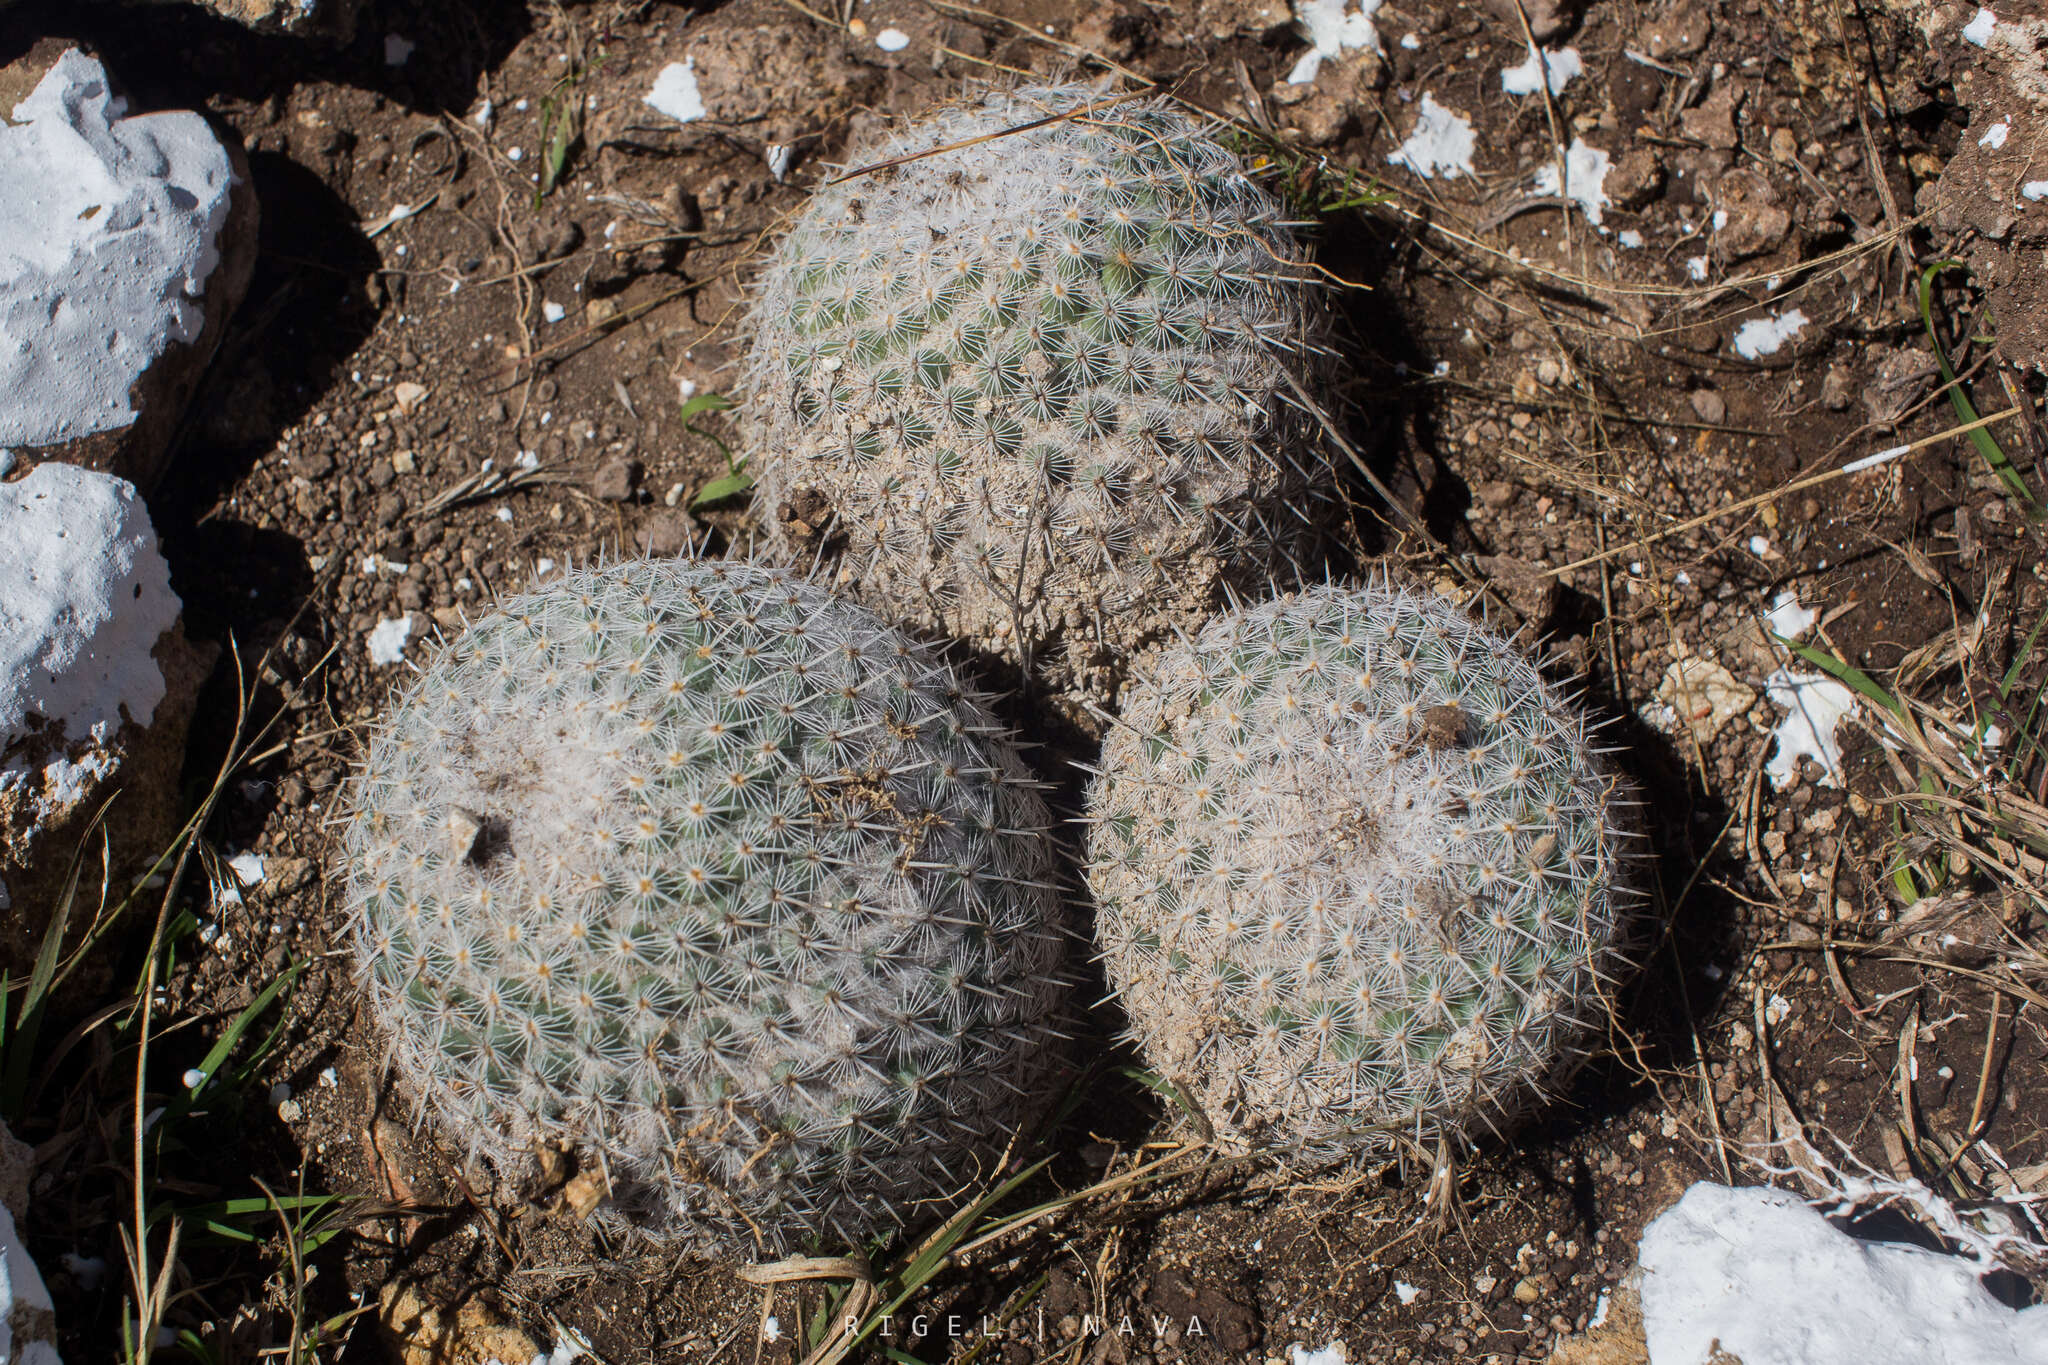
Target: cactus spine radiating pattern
{"points": [[1034, 392], [721, 879], [1356, 870]]}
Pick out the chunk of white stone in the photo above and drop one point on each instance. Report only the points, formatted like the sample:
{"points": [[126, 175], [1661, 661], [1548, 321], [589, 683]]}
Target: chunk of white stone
{"points": [[108, 232], [1755, 1275], [84, 596]]}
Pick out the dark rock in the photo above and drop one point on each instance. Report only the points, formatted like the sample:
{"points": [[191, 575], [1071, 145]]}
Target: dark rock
{"points": [[615, 480]]}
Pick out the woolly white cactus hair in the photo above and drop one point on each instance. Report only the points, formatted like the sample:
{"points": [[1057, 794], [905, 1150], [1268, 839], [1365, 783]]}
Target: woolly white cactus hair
{"points": [[1037, 391], [1356, 871], [722, 880]]}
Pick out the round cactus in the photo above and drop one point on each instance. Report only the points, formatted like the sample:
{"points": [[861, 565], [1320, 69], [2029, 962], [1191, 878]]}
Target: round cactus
{"points": [[1034, 391], [1356, 871], [723, 881]]}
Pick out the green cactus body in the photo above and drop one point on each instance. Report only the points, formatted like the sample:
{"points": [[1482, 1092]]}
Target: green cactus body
{"points": [[725, 882], [1355, 869], [1034, 392]]}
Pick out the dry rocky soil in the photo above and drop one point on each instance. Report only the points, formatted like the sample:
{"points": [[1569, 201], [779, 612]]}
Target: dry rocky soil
{"points": [[446, 383]]}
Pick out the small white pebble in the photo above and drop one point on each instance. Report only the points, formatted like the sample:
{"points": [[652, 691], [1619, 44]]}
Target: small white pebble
{"points": [[515, 153], [328, 1080], [505, 514], [892, 40], [552, 311], [193, 1078]]}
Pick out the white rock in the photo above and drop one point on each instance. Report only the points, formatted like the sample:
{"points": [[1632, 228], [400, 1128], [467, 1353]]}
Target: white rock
{"points": [[1978, 30], [892, 40], [1756, 1275], [84, 596], [248, 869], [1585, 179], [27, 1315], [1995, 136], [1788, 617], [1563, 67], [1440, 145], [108, 232], [1760, 337], [386, 641], [1331, 29], [675, 92], [1814, 705]]}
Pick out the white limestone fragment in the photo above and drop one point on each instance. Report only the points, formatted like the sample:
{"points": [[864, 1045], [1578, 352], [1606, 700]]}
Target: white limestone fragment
{"points": [[892, 40], [1331, 28], [1788, 618], [1562, 66], [1760, 337], [675, 92], [1814, 705], [387, 639], [1978, 30], [108, 233], [1755, 1275], [1440, 144], [84, 596], [1585, 179]]}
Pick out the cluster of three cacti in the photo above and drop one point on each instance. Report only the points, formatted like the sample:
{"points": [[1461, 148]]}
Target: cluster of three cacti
{"points": [[720, 876]]}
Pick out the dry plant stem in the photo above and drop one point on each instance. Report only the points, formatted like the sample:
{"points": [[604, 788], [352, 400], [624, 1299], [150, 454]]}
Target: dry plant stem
{"points": [[150, 1296], [1795, 486]]}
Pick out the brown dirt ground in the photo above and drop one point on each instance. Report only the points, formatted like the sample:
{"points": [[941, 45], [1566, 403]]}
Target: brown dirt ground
{"points": [[1533, 392]]}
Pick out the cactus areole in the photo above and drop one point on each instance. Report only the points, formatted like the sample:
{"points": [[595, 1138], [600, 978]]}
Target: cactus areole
{"points": [[721, 881], [1031, 383], [1356, 871]]}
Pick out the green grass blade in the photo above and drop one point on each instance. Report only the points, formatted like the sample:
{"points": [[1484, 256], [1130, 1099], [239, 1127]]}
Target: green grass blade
{"points": [[723, 487], [1846, 673], [225, 1044], [1966, 411], [698, 404], [28, 1018]]}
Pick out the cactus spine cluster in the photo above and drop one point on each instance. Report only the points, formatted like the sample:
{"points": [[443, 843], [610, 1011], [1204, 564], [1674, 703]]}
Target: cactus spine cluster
{"points": [[1356, 871], [1034, 391], [722, 880]]}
